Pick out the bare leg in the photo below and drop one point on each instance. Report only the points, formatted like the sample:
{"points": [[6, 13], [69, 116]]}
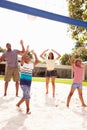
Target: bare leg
{"points": [[5, 88], [47, 84], [27, 106], [17, 87], [53, 85], [20, 102], [70, 95], [81, 97]]}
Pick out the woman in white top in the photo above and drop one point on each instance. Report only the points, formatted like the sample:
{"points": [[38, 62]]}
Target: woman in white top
{"points": [[50, 64]]}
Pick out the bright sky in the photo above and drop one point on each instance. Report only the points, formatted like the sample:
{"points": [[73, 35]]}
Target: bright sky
{"points": [[37, 32]]}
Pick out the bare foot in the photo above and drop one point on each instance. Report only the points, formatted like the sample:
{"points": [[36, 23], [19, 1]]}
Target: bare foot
{"points": [[53, 95], [5, 94], [84, 105], [28, 111], [46, 92], [16, 94], [67, 105], [18, 108]]}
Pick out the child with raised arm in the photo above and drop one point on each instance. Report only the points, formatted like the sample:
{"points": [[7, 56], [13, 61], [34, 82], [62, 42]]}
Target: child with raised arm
{"points": [[78, 70], [26, 78]]}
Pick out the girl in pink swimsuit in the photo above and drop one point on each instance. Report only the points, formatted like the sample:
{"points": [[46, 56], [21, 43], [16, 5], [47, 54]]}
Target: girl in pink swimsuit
{"points": [[78, 70]]}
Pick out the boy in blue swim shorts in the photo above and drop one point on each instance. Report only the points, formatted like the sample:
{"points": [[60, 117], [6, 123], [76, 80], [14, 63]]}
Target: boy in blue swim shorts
{"points": [[26, 78]]}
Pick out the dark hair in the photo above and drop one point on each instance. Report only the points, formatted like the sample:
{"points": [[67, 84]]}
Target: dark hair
{"points": [[8, 44], [52, 55]]}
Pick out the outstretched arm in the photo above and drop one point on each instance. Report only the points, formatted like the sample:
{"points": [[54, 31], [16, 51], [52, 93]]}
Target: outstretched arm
{"points": [[36, 58], [24, 55], [58, 55], [22, 45], [73, 58], [42, 54], [2, 59]]}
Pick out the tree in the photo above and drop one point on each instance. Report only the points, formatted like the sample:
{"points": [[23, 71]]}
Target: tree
{"points": [[80, 49], [65, 59], [2, 50], [78, 10]]}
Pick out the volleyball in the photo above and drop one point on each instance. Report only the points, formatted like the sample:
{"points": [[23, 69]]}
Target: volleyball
{"points": [[31, 17]]}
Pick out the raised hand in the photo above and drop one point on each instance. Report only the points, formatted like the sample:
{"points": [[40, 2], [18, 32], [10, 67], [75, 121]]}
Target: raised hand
{"points": [[21, 42]]}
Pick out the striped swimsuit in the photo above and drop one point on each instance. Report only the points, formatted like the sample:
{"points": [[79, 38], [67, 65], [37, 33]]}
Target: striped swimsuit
{"points": [[26, 79], [26, 74]]}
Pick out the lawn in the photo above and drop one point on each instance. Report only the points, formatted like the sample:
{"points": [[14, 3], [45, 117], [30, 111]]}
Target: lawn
{"points": [[58, 80]]}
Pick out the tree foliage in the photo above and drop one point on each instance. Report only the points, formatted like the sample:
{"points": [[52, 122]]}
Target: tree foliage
{"points": [[65, 59], [2, 50], [78, 9], [81, 51]]}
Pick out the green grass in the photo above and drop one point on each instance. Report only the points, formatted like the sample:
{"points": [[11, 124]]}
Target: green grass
{"points": [[1, 77], [58, 80]]}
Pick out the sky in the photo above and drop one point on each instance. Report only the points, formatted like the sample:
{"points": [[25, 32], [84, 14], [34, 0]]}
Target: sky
{"points": [[38, 33]]}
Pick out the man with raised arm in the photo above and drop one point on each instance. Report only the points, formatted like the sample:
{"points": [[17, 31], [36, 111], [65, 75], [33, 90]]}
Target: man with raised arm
{"points": [[12, 69]]}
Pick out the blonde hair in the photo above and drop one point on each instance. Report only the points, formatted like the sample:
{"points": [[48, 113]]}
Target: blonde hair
{"points": [[78, 59]]}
